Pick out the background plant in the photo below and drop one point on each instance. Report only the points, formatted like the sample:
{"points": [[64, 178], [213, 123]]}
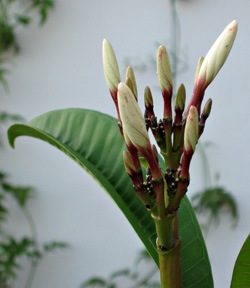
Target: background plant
{"points": [[14, 251]]}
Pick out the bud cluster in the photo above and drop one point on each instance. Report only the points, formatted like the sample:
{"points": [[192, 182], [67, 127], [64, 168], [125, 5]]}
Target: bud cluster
{"points": [[176, 134]]}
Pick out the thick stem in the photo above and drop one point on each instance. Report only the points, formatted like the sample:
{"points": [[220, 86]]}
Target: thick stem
{"points": [[168, 247], [170, 267]]}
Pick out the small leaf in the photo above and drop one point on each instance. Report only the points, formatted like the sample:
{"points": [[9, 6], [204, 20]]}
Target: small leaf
{"points": [[20, 193], [215, 200], [241, 273], [54, 245], [23, 20], [95, 283]]}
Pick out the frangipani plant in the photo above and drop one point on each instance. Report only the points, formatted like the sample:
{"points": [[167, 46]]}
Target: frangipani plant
{"points": [[160, 213]]}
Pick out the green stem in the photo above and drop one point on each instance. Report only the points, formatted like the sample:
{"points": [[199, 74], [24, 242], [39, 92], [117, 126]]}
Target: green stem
{"points": [[168, 247], [170, 267]]}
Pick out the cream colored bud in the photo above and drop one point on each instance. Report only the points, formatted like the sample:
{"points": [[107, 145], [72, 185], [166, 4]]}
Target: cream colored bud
{"points": [[180, 98], [110, 66], [133, 122], [128, 163], [191, 130], [217, 55], [198, 67], [148, 99], [130, 75], [207, 108], [164, 70]]}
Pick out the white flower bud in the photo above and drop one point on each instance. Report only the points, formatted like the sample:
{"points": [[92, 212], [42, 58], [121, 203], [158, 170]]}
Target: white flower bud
{"points": [[216, 56], [110, 66], [164, 70], [133, 122], [191, 130]]}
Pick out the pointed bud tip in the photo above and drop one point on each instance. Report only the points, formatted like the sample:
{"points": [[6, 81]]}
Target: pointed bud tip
{"points": [[180, 98], [191, 130], [217, 55], [133, 122], [130, 78], [148, 99], [207, 108], [110, 66], [164, 70]]}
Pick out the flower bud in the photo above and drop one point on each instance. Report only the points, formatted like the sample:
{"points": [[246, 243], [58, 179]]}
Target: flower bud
{"points": [[165, 80], [164, 70], [129, 166], [191, 130], [133, 122], [212, 63], [132, 83], [198, 67], [180, 98], [207, 109], [148, 99], [110, 67], [216, 56], [204, 115], [149, 103]]}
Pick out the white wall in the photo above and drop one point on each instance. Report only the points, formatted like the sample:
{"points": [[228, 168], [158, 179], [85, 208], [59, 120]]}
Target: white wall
{"points": [[60, 66]]}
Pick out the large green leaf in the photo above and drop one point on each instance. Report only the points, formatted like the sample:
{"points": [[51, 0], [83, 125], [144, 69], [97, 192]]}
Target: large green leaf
{"points": [[93, 141], [241, 273]]}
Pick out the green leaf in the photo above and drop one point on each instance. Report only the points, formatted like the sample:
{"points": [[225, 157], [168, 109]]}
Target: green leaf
{"points": [[23, 19], [54, 245], [241, 273], [20, 193], [95, 283], [93, 141]]}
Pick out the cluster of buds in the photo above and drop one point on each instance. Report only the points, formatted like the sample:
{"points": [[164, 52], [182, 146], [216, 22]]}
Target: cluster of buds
{"points": [[176, 134]]}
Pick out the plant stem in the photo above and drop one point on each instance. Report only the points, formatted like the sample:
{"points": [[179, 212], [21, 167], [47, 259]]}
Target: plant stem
{"points": [[170, 267], [168, 247]]}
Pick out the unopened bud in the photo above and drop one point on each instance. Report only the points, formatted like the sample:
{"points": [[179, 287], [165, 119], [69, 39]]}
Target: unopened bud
{"points": [[216, 56], [148, 99], [207, 109], [132, 82], [164, 70], [200, 60], [133, 122], [128, 163], [204, 115], [191, 130], [110, 66], [180, 98]]}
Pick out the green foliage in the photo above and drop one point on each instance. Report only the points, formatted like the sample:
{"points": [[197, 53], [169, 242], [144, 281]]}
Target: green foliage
{"points": [[133, 277], [93, 141], [14, 14], [241, 273], [214, 201], [12, 249]]}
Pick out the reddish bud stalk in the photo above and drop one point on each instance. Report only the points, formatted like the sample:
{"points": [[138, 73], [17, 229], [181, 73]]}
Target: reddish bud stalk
{"points": [[136, 177], [114, 94], [167, 98], [196, 99], [134, 156]]}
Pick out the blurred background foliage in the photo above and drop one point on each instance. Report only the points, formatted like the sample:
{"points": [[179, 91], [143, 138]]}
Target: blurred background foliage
{"points": [[14, 251]]}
